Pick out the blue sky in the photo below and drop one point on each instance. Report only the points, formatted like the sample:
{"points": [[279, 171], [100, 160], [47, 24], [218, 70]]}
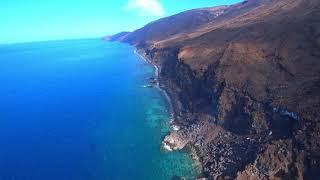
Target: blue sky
{"points": [[39, 20]]}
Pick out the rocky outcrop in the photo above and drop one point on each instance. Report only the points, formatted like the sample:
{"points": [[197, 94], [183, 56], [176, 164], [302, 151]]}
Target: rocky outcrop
{"points": [[245, 86], [281, 166], [175, 141]]}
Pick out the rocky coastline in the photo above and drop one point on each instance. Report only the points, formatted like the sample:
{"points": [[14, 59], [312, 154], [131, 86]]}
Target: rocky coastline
{"points": [[243, 81], [173, 141], [178, 137], [224, 150]]}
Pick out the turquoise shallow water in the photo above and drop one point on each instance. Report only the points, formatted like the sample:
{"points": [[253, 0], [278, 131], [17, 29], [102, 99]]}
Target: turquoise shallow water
{"points": [[73, 110]]}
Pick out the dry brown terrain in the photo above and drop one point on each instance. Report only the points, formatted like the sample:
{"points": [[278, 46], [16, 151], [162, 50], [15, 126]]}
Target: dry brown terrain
{"points": [[245, 85]]}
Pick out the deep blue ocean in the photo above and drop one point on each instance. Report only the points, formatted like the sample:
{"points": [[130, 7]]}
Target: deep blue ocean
{"points": [[77, 110]]}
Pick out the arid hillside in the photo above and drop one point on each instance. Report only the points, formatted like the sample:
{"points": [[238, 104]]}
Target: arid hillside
{"points": [[245, 84]]}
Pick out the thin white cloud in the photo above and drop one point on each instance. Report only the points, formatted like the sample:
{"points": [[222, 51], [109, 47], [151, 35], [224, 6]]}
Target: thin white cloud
{"points": [[146, 7]]}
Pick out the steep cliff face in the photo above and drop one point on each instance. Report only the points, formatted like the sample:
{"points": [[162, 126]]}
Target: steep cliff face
{"points": [[245, 85]]}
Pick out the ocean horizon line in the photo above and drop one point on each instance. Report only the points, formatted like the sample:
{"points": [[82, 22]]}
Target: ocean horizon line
{"points": [[49, 40]]}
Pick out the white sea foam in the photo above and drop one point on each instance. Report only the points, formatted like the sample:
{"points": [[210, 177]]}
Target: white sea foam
{"points": [[166, 146], [175, 127]]}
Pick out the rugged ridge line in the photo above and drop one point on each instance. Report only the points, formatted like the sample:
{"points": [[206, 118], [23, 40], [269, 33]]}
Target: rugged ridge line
{"points": [[244, 81]]}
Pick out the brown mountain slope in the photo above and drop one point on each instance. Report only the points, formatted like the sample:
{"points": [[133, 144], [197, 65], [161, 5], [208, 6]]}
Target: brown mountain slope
{"points": [[165, 28], [245, 86]]}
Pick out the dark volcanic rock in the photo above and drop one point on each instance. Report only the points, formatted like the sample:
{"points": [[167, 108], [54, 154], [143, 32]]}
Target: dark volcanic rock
{"points": [[244, 81]]}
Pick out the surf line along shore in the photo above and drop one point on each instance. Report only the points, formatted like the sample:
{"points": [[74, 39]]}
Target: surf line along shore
{"points": [[177, 138], [173, 141]]}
